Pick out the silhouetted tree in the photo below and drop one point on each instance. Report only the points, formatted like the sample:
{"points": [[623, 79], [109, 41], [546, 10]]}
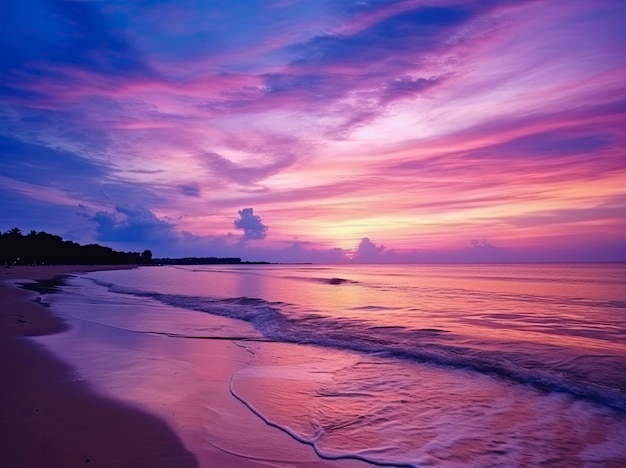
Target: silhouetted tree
{"points": [[41, 247], [146, 256]]}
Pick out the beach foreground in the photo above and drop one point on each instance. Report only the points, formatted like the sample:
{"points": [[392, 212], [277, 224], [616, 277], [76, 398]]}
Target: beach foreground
{"points": [[49, 418], [314, 366], [55, 417]]}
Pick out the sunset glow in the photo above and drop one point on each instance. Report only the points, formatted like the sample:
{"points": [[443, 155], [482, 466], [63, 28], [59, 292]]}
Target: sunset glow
{"points": [[387, 131]]}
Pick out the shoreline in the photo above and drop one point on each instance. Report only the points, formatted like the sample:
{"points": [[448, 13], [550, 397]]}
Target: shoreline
{"points": [[51, 416], [50, 419]]}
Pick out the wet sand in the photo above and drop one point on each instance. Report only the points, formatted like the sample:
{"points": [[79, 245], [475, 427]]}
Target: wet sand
{"points": [[49, 417]]}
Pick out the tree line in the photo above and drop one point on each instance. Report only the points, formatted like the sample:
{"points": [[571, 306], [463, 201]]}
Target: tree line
{"points": [[42, 248], [205, 261]]}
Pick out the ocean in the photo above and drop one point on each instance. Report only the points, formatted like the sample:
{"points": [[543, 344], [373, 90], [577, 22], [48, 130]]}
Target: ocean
{"points": [[392, 365]]}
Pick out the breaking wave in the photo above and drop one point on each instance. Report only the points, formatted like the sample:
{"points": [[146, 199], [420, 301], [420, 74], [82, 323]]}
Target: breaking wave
{"points": [[280, 321]]}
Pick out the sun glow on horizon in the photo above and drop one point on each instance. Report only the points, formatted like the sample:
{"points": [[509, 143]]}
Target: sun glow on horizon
{"points": [[455, 130]]}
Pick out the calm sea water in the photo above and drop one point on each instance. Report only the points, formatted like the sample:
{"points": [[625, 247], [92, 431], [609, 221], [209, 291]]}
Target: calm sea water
{"points": [[480, 365]]}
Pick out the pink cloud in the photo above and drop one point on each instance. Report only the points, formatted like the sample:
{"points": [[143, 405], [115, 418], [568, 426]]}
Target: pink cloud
{"points": [[414, 126]]}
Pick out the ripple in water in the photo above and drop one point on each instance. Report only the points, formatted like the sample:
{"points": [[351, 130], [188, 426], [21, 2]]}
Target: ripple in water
{"points": [[407, 414]]}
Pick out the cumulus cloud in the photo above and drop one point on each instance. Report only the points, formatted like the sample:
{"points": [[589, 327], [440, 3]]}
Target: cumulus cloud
{"points": [[368, 251], [131, 224], [251, 224]]}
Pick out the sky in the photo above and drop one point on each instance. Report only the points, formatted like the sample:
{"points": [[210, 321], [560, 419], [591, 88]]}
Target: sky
{"points": [[318, 130]]}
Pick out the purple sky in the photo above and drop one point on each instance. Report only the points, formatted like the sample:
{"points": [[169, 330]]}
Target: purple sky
{"points": [[318, 130]]}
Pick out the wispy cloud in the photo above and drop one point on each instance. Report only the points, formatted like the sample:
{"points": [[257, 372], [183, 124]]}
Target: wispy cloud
{"points": [[418, 125]]}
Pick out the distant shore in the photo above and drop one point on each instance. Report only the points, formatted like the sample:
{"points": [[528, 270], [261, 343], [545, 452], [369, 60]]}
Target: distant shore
{"points": [[47, 418]]}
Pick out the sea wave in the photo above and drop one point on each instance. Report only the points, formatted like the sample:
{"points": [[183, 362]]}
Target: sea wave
{"points": [[279, 321]]}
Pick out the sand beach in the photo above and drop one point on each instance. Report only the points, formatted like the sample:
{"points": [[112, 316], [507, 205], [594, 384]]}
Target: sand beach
{"points": [[50, 417], [299, 366]]}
